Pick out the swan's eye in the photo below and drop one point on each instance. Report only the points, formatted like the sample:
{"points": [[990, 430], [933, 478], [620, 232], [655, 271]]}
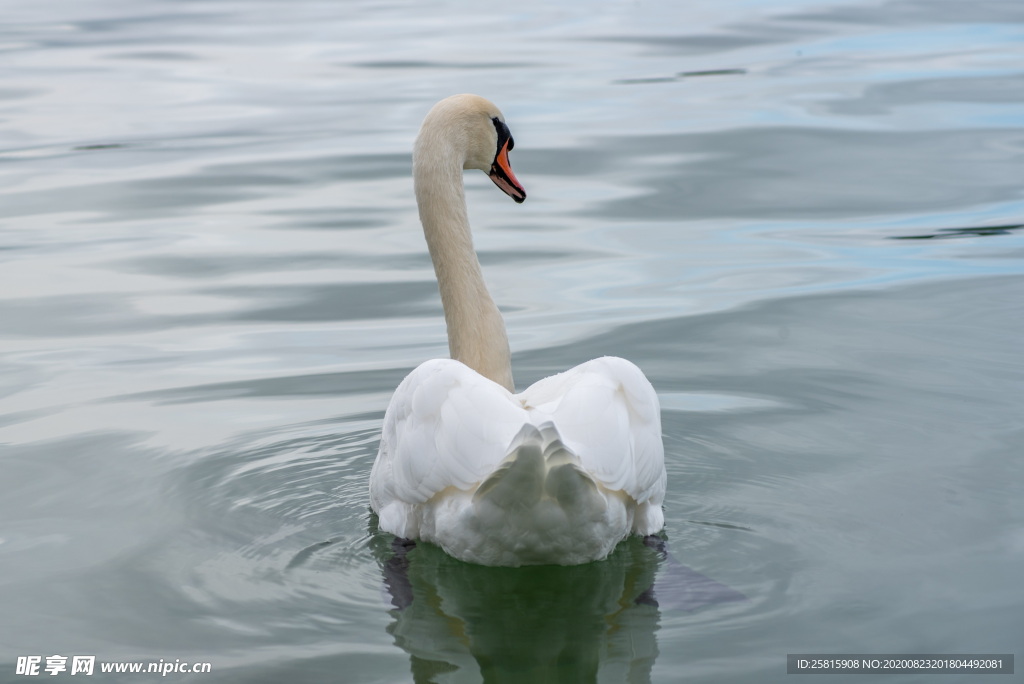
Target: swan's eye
{"points": [[503, 134]]}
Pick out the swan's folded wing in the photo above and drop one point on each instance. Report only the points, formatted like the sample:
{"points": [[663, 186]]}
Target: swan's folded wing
{"points": [[609, 415], [446, 426]]}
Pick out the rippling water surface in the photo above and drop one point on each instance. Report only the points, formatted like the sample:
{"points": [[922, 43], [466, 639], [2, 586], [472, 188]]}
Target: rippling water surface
{"points": [[801, 220]]}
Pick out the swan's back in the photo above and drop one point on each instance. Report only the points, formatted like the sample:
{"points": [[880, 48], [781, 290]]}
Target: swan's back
{"points": [[558, 474]]}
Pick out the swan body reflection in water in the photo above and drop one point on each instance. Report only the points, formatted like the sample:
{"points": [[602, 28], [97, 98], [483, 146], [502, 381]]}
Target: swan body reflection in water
{"points": [[543, 623]]}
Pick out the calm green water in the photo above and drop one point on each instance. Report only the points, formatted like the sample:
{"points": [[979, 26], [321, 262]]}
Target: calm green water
{"points": [[212, 277]]}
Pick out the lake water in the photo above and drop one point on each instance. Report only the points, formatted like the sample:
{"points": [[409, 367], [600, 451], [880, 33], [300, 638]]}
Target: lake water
{"points": [[801, 220]]}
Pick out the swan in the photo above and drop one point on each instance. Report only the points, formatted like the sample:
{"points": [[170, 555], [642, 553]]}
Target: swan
{"points": [[557, 474]]}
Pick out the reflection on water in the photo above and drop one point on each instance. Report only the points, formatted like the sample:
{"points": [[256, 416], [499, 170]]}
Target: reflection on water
{"points": [[537, 623], [534, 624]]}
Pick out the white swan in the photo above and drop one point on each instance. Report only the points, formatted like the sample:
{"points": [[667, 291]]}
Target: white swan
{"points": [[557, 474]]}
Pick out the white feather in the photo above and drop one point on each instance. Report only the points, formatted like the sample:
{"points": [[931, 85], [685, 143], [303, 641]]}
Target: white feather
{"points": [[448, 429]]}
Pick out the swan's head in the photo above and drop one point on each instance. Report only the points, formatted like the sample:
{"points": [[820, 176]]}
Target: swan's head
{"points": [[474, 129]]}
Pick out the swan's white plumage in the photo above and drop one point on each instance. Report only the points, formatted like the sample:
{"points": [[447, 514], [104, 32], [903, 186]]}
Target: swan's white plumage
{"points": [[559, 473], [448, 428]]}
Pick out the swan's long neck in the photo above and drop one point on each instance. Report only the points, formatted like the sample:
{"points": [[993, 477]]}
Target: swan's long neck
{"points": [[476, 330]]}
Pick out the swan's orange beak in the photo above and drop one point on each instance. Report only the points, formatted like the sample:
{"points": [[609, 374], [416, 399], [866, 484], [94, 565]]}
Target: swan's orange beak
{"points": [[501, 174]]}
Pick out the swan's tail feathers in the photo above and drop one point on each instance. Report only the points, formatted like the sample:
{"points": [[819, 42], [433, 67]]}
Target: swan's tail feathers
{"points": [[539, 472]]}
